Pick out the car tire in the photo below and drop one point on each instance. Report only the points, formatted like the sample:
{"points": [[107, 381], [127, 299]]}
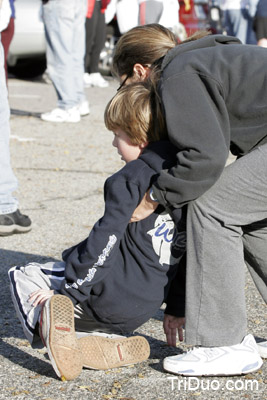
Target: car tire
{"points": [[106, 55], [28, 68]]}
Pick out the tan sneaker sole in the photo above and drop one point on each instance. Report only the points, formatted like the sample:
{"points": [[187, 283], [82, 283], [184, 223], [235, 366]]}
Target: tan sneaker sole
{"points": [[62, 345], [103, 353]]}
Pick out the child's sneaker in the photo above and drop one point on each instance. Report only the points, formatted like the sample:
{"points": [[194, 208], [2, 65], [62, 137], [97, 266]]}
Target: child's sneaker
{"points": [[104, 353], [238, 359], [58, 335]]}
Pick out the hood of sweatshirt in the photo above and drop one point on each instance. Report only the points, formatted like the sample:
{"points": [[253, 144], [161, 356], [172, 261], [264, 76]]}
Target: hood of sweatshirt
{"points": [[206, 41]]}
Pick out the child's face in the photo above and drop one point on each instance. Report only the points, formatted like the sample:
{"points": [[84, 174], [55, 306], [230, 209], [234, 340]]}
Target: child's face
{"points": [[126, 149]]}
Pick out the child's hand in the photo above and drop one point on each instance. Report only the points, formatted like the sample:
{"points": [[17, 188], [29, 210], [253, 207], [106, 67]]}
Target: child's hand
{"points": [[145, 208], [40, 296], [171, 326]]}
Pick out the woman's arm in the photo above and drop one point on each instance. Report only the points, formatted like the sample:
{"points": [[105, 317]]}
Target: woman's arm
{"points": [[198, 125]]}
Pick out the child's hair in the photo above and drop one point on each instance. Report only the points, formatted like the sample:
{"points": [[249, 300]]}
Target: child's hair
{"points": [[135, 110]]}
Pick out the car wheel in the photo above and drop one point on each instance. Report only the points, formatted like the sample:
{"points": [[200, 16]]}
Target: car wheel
{"points": [[106, 55], [28, 68]]}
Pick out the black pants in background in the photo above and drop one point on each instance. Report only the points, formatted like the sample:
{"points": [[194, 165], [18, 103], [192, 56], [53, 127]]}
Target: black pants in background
{"points": [[95, 38]]}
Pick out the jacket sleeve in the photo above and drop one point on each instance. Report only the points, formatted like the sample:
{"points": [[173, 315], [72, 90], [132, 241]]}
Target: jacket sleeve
{"points": [[198, 125], [90, 261]]}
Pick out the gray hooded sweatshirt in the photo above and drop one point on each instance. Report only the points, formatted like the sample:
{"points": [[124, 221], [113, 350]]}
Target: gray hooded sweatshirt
{"points": [[214, 96]]}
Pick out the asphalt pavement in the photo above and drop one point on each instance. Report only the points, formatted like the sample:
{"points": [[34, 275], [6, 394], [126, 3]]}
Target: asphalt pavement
{"points": [[61, 169]]}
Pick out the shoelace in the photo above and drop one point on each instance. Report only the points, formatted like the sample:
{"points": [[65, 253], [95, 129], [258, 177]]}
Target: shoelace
{"points": [[208, 351]]}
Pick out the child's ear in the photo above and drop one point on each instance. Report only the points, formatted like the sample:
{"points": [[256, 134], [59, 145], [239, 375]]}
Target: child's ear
{"points": [[143, 145]]}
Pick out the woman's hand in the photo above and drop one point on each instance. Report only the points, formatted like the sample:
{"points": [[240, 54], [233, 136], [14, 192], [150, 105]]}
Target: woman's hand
{"points": [[171, 326], [145, 208], [39, 297]]}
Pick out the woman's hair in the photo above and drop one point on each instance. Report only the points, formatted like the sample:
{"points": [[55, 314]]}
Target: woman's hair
{"points": [[134, 109], [142, 44], [145, 45]]}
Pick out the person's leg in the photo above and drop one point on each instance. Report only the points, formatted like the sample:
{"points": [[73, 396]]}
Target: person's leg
{"points": [[11, 220], [8, 181], [27, 279], [99, 40], [78, 51], [256, 258], [215, 284], [95, 41], [239, 24], [255, 250], [215, 296], [85, 323], [150, 12], [103, 346], [69, 355], [91, 27], [235, 24], [228, 26], [59, 17], [6, 37], [251, 36]]}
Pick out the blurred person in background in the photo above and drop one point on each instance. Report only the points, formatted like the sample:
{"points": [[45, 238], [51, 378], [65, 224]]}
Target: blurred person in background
{"points": [[260, 23], [11, 220], [238, 19], [95, 27], [7, 33], [164, 12], [131, 13], [64, 22]]}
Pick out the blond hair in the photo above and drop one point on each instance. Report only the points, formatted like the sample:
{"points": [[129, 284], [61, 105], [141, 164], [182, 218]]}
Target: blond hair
{"points": [[135, 111]]}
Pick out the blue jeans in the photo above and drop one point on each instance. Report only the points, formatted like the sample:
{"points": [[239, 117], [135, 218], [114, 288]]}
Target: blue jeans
{"points": [[238, 23], [8, 181], [64, 22]]}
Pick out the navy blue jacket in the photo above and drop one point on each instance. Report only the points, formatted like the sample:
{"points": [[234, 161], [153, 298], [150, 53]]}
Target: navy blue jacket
{"points": [[122, 272]]}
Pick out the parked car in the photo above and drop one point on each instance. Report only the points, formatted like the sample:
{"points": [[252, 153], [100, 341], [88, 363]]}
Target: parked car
{"points": [[198, 15], [26, 56]]}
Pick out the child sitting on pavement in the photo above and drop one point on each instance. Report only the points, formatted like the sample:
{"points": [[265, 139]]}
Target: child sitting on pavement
{"points": [[118, 277]]}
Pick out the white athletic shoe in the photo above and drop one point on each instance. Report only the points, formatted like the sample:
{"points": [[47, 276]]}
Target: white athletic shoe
{"points": [[95, 79], [262, 348], [83, 108], [60, 115], [238, 359]]}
